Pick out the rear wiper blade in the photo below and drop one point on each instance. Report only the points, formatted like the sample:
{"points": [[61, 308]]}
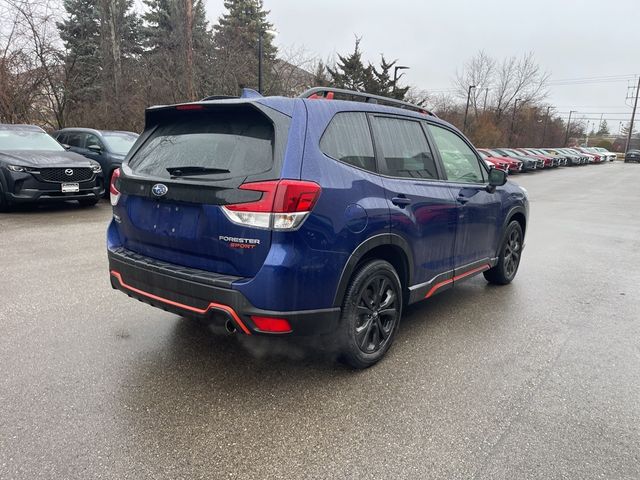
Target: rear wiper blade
{"points": [[187, 171]]}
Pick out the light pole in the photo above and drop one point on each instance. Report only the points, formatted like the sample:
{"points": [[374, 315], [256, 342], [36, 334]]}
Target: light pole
{"points": [[395, 75], [513, 119], [566, 135], [484, 106], [544, 129], [260, 35], [633, 115], [466, 110]]}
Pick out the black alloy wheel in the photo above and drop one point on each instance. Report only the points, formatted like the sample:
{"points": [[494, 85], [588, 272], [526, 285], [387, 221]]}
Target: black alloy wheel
{"points": [[370, 315], [377, 314], [513, 249], [509, 258]]}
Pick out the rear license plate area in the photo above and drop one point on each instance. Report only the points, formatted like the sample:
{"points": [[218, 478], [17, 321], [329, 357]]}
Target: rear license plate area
{"points": [[166, 219]]}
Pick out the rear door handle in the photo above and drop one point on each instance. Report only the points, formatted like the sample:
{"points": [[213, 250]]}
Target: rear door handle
{"points": [[401, 201]]}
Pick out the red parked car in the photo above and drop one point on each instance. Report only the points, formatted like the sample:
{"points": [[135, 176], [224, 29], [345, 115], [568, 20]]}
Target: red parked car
{"points": [[512, 165]]}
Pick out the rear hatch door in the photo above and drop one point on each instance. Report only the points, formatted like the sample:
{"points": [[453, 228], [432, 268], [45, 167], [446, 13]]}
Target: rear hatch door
{"points": [[189, 163]]}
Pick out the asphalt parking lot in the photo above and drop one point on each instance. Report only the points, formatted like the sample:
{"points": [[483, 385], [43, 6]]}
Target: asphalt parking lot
{"points": [[539, 379]]}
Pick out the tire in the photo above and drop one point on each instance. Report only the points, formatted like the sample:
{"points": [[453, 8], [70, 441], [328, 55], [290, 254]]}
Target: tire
{"points": [[369, 319], [88, 202], [509, 259]]}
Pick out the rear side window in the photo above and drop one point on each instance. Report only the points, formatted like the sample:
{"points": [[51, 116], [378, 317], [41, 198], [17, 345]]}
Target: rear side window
{"points": [[404, 147], [460, 162], [215, 144], [348, 139]]}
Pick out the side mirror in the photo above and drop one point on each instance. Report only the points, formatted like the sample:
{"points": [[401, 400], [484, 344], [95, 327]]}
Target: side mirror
{"points": [[65, 146], [94, 148], [497, 178]]}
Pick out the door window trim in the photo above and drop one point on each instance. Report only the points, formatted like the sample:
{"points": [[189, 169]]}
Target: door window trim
{"points": [[377, 149]]}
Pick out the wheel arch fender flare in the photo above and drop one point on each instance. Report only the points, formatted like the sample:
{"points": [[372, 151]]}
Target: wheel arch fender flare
{"points": [[383, 239], [518, 209]]}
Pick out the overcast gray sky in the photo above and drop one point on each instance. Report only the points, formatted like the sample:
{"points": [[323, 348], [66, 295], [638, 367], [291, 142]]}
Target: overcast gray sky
{"points": [[571, 39]]}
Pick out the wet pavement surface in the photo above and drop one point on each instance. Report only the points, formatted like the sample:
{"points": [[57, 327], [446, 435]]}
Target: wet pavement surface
{"points": [[539, 379]]}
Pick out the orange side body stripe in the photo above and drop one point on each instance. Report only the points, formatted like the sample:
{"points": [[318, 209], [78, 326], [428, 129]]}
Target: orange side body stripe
{"points": [[457, 277]]}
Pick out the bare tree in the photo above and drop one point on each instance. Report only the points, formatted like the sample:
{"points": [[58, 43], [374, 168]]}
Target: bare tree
{"points": [[512, 78], [38, 59], [478, 72], [519, 78], [293, 72], [418, 96]]}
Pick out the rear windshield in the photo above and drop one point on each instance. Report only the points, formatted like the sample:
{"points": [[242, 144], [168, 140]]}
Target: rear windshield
{"points": [[224, 144]]}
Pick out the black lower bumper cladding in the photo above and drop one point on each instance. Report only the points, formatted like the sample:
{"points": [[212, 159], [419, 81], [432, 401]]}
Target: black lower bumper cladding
{"points": [[196, 293]]}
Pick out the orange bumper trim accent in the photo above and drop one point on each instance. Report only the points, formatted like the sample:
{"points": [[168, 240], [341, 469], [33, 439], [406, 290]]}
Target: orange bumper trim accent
{"points": [[212, 306]]}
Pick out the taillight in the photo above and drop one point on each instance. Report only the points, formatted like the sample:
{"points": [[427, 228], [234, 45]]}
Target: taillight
{"points": [[114, 193], [284, 204]]}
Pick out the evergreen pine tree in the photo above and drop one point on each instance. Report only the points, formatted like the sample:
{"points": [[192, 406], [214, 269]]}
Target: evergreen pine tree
{"points": [[236, 46], [99, 38], [603, 129], [351, 73], [165, 42], [80, 33]]}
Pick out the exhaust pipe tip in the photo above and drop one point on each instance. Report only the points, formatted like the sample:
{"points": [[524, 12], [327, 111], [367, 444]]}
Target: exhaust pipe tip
{"points": [[230, 327]]}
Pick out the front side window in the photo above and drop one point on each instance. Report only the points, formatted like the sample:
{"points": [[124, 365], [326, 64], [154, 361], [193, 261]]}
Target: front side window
{"points": [[93, 140], [348, 139], [404, 148], [460, 161], [76, 139]]}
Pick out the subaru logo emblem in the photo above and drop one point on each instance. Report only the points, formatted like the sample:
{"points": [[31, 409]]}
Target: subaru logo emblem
{"points": [[159, 189], [68, 172]]}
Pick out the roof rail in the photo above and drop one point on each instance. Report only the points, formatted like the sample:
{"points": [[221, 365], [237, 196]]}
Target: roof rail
{"points": [[330, 93]]}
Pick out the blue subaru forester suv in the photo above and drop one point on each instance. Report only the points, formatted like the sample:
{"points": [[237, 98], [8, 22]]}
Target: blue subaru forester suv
{"points": [[319, 215]]}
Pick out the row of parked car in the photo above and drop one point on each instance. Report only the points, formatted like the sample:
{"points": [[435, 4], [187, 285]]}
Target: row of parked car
{"points": [[70, 164], [515, 160], [78, 163]]}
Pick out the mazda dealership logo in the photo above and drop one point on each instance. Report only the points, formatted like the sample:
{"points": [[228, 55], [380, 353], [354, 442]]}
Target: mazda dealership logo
{"points": [[159, 189], [68, 172]]}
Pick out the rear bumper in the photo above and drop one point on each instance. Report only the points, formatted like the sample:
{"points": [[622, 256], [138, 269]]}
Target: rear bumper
{"points": [[195, 293]]}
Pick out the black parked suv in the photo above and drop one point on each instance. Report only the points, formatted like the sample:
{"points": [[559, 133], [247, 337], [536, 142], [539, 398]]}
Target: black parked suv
{"points": [[36, 168], [107, 147], [632, 156]]}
